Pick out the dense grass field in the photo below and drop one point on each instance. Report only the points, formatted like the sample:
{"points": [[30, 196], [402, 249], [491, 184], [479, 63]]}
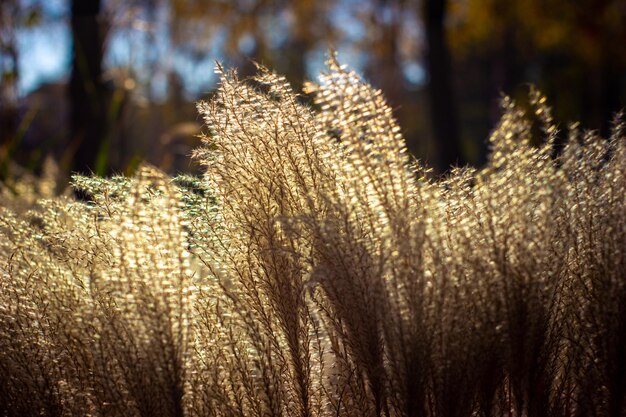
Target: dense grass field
{"points": [[316, 270]]}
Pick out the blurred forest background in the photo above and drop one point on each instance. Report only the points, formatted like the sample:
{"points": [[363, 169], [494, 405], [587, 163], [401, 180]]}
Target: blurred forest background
{"points": [[100, 85]]}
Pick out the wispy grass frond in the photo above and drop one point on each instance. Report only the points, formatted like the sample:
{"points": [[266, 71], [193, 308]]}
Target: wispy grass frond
{"points": [[316, 270]]}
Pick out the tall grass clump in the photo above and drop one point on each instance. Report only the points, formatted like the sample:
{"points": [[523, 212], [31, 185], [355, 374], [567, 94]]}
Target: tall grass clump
{"points": [[316, 270]]}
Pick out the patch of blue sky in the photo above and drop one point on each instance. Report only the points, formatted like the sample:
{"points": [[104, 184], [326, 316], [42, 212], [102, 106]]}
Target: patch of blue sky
{"points": [[197, 70], [45, 54], [198, 75], [44, 49], [344, 17], [414, 73]]}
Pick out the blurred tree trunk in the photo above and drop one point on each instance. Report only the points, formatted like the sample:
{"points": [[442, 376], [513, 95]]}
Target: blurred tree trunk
{"points": [[296, 55], [605, 85], [443, 107], [9, 75], [86, 91]]}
